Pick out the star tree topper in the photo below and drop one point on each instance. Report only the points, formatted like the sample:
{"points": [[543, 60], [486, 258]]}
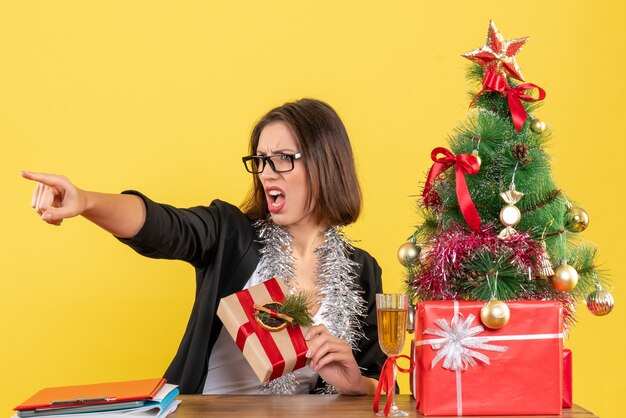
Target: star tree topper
{"points": [[498, 54]]}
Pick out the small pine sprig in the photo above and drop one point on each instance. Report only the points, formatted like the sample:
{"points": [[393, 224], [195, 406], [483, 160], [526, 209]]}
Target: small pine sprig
{"points": [[295, 306]]}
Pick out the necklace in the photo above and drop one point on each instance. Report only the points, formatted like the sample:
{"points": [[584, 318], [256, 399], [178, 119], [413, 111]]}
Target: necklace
{"points": [[336, 284]]}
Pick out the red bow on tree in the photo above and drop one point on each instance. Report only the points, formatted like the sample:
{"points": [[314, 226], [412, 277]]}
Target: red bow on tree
{"points": [[464, 164], [492, 81]]}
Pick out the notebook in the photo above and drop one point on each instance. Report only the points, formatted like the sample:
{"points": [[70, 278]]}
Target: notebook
{"points": [[94, 394]]}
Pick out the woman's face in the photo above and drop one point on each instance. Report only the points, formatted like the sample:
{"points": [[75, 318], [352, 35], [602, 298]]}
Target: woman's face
{"points": [[286, 193]]}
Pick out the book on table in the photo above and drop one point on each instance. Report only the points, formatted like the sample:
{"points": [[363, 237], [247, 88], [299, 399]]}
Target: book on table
{"points": [[147, 397]]}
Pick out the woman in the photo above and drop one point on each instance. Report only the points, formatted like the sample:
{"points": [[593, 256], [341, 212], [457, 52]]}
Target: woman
{"points": [[304, 188]]}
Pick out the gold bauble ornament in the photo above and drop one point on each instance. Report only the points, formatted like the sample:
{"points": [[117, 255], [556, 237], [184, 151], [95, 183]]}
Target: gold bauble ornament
{"points": [[600, 302], [565, 278], [408, 254], [495, 314], [537, 126], [475, 154], [576, 219]]}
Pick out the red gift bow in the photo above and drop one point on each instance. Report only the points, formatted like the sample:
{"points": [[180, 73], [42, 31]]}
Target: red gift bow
{"points": [[265, 337], [385, 383], [464, 164], [492, 81]]}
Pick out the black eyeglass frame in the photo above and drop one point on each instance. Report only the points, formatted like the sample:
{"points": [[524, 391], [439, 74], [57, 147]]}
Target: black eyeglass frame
{"points": [[267, 159]]}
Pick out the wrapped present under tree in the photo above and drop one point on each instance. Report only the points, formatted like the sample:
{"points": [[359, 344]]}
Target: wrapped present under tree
{"points": [[463, 368]]}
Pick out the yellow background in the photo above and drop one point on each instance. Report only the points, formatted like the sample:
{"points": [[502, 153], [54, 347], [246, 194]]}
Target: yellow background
{"points": [[161, 96]]}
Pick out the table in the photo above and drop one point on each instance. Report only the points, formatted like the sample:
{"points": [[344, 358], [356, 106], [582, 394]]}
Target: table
{"points": [[327, 406]]}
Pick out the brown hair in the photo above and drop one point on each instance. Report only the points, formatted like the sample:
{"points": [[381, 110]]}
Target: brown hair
{"points": [[334, 188]]}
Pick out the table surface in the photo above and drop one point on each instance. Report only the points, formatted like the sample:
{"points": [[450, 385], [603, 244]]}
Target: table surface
{"points": [[327, 406]]}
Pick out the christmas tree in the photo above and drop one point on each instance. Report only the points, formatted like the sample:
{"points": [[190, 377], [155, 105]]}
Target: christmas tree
{"points": [[496, 226]]}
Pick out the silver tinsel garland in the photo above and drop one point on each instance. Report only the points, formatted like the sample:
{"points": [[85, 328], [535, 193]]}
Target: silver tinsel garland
{"points": [[337, 287], [337, 284]]}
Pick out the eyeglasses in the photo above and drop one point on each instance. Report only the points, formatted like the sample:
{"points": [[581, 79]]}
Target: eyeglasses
{"points": [[280, 163]]}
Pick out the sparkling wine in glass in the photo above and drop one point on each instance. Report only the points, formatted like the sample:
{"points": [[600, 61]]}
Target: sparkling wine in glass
{"points": [[392, 310]]}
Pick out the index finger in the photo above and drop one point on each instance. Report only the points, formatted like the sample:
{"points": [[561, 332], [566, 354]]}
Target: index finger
{"points": [[47, 179]]}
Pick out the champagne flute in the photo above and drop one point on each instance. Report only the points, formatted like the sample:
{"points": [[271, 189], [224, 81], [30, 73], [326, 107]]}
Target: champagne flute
{"points": [[392, 311]]}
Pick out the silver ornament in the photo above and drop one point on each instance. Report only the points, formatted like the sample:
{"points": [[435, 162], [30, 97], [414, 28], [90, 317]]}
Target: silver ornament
{"points": [[600, 302]]}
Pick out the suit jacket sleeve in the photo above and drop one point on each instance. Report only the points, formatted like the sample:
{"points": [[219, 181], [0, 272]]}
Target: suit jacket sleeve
{"points": [[177, 234]]}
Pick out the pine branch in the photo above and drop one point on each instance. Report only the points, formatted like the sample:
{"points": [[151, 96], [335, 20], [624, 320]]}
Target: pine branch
{"points": [[295, 306], [493, 276]]}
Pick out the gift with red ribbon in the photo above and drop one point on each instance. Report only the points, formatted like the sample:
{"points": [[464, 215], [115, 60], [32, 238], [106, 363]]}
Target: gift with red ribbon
{"points": [[464, 368], [496, 82], [270, 354], [463, 164], [567, 379]]}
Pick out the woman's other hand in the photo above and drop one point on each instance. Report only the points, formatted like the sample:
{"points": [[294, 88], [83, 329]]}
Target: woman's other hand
{"points": [[333, 359]]}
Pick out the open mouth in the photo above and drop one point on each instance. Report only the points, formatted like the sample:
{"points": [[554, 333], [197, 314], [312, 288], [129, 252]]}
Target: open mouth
{"points": [[275, 199]]}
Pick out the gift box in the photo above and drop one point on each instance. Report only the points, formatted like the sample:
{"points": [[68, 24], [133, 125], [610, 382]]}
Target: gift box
{"points": [[412, 373], [567, 378], [464, 368], [271, 354]]}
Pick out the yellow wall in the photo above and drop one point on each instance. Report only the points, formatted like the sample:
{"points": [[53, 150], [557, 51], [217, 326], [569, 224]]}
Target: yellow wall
{"points": [[161, 96]]}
